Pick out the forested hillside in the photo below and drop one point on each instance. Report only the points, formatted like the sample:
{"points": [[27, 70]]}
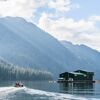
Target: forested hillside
{"points": [[11, 72]]}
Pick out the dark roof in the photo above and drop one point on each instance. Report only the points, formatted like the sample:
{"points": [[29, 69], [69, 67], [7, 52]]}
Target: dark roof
{"points": [[83, 71], [64, 73], [79, 72], [74, 73]]}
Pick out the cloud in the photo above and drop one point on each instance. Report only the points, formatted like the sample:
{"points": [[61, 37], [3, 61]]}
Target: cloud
{"points": [[60, 5], [84, 31], [3, 0], [28, 8], [20, 8], [54, 21], [94, 18]]}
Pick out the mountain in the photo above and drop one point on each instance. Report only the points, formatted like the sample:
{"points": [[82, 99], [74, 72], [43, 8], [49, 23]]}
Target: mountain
{"points": [[9, 71], [24, 44], [89, 56]]}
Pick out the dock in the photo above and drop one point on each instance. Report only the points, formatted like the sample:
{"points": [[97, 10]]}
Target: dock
{"points": [[66, 81], [78, 76]]}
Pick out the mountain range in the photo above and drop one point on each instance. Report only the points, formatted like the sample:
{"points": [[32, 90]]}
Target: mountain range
{"points": [[89, 56], [24, 44]]}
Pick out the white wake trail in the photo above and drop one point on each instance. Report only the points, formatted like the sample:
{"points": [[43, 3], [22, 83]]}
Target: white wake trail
{"points": [[54, 96], [5, 91]]}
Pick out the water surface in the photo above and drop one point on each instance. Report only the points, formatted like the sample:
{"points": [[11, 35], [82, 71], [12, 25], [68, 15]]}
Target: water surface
{"points": [[39, 90]]}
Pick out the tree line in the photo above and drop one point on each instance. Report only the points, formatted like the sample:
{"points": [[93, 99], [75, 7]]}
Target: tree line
{"points": [[11, 72]]}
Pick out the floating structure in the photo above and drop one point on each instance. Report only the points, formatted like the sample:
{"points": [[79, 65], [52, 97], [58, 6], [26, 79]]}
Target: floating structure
{"points": [[78, 76]]}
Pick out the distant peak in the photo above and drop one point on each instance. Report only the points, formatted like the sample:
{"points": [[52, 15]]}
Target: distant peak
{"points": [[13, 18]]}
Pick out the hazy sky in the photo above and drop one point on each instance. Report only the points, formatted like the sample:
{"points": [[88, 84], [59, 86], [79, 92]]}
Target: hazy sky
{"points": [[77, 21]]}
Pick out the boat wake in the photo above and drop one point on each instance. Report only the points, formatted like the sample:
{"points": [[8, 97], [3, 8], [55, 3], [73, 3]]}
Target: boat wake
{"points": [[5, 91], [54, 96]]}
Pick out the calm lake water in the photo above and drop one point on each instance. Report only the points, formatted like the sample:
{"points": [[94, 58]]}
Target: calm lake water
{"points": [[49, 91]]}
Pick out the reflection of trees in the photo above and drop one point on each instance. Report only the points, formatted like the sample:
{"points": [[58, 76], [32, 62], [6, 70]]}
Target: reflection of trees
{"points": [[77, 88]]}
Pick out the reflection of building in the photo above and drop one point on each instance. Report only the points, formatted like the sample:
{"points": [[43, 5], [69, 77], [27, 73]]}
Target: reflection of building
{"points": [[77, 88], [76, 76]]}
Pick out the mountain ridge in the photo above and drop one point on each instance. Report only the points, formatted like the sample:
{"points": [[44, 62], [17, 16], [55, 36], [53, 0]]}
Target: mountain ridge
{"points": [[86, 54], [24, 44]]}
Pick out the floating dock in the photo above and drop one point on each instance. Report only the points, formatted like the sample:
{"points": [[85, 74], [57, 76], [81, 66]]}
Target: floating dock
{"points": [[66, 81], [78, 76]]}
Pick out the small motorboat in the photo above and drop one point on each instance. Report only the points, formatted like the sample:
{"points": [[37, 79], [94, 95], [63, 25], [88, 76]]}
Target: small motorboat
{"points": [[18, 84]]}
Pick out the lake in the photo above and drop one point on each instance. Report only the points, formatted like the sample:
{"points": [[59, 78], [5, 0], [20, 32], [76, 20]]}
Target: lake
{"points": [[48, 90]]}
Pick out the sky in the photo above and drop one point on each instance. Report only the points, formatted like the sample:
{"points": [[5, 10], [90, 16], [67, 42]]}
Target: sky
{"points": [[77, 21]]}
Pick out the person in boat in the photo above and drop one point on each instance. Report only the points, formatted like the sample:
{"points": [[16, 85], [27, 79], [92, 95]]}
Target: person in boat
{"points": [[17, 84]]}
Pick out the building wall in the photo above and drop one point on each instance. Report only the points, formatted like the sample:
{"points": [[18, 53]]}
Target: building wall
{"points": [[68, 76]]}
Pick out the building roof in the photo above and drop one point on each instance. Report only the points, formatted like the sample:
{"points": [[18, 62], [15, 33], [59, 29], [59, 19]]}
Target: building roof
{"points": [[84, 71], [79, 72], [76, 73]]}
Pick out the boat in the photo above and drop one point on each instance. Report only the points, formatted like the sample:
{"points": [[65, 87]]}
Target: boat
{"points": [[18, 84]]}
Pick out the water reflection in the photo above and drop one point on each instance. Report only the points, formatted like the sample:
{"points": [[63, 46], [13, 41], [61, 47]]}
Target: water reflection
{"points": [[77, 88]]}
